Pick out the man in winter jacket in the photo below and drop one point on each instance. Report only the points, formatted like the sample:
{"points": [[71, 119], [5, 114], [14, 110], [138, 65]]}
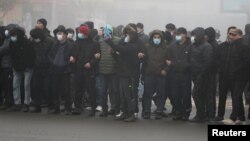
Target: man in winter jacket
{"points": [[201, 60], [6, 77], [42, 45], [86, 67], [179, 64], [127, 72], [22, 56], [234, 63], [61, 56], [155, 72]]}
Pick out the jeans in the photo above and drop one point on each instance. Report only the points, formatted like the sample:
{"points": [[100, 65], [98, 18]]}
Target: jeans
{"points": [[17, 77], [108, 86]]}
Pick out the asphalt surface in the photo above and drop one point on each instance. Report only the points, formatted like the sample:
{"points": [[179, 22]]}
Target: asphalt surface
{"points": [[19, 126]]}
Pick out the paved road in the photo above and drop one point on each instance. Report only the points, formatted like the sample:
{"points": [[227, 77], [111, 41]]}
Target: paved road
{"points": [[18, 126], [42, 127]]}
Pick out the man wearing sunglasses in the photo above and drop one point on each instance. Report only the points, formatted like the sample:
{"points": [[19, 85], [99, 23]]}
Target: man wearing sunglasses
{"points": [[233, 69]]}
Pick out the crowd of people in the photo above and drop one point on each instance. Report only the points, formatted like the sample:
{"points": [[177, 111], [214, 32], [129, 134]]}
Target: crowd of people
{"points": [[87, 67]]}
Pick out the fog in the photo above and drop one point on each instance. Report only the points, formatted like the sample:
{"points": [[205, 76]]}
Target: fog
{"points": [[154, 14]]}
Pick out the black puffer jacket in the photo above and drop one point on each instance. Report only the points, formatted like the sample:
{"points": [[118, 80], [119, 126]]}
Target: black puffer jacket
{"points": [[85, 51], [210, 32], [201, 54], [21, 52], [4, 42], [42, 50], [127, 56]]}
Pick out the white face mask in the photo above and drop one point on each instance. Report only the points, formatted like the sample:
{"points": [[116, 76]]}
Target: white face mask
{"points": [[59, 37], [126, 40], [70, 36], [6, 32], [37, 40], [13, 38], [80, 36], [192, 39], [178, 38], [172, 33]]}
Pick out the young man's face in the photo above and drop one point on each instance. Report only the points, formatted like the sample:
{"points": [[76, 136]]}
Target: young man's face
{"points": [[61, 36], [156, 36], [173, 32], [100, 32], [232, 35], [39, 25], [139, 30]]}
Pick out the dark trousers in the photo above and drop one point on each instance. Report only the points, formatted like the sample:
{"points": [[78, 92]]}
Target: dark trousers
{"points": [[60, 88], [153, 84], [181, 93], [6, 80], [167, 94], [108, 86], [40, 86], [85, 83], [72, 86], [237, 101], [225, 85], [127, 91], [211, 97], [137, 81], [201, 95]]}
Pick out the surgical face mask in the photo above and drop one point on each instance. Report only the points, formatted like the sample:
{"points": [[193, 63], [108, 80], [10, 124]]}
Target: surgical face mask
{"points": [[178, 38], [156, 41], [172, 33], [37, 40], [126, 40], [13, 38], [70, 35], [80, 36], [192, 39], [59, 37], [6, 32]]}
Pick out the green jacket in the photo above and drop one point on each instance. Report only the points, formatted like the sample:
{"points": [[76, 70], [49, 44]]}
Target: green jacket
{"points": [[107, 64]]}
